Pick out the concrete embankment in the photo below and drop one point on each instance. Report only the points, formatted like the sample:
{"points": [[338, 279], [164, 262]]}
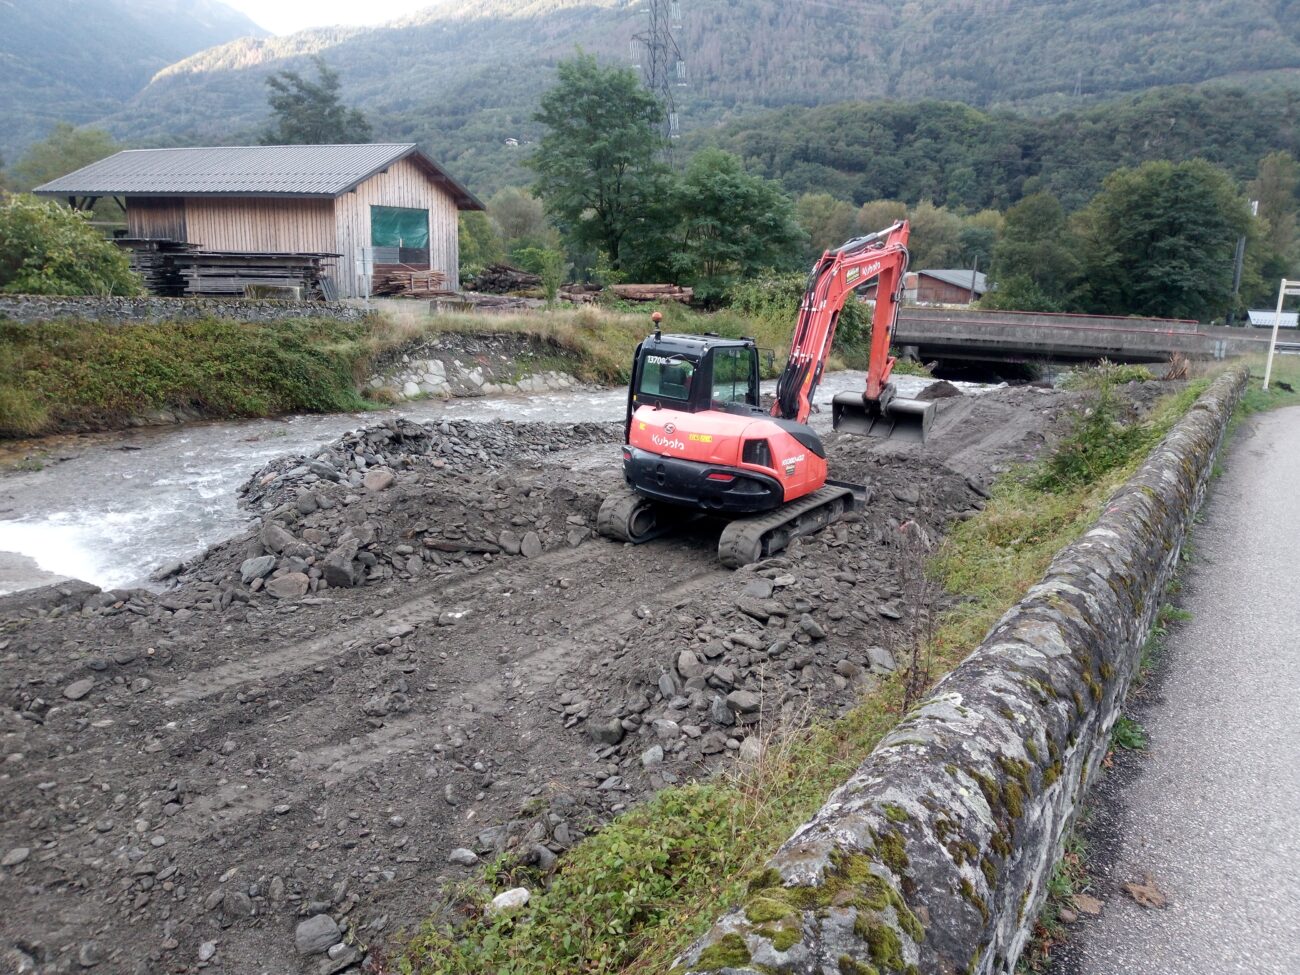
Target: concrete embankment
{"points": [[934, 857]]}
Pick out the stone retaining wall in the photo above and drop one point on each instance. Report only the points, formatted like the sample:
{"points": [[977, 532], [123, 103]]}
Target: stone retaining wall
{"points": [[34, 309], [488, 364], [933, 858]]}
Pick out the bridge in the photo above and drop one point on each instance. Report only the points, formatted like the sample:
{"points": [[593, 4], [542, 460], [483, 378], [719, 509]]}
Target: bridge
{"points": [[958, 334]]}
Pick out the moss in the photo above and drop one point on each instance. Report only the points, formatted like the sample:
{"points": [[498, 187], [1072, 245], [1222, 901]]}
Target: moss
{"points": [[1032, 747], [1053, 750], [968, 891], [1014, 799], [760, 910], [783, 937], [1051, 774], [1016, 769], [973, 965], [850, 966], [1078, 701], [729, 952], [962, 851], [1107, 672], [942, 827], [885, 947], [892, 850], [895, 814], [1001, 843], [990, 872], [951, 769], [1007, 713], [770, 877], [1024, 903], [910, 923]]}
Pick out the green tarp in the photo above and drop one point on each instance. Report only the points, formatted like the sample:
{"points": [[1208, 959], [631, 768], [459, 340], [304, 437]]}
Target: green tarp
{"points": [[399, 227]]}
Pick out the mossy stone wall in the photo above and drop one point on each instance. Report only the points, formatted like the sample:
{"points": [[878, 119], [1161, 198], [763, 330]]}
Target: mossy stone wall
{"points": [[934, 857]]}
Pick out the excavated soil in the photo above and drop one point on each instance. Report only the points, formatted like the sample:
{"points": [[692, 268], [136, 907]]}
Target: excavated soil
{"points": [[424, 649]]}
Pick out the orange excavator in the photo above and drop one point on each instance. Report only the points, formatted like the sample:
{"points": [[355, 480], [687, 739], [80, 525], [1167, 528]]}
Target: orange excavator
{"points": [[697, 440]]}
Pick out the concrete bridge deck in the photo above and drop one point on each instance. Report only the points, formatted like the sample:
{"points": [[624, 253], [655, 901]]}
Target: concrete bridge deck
{"points": [[1012, 336]]}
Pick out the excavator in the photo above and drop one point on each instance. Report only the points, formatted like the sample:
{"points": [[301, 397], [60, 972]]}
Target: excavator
{"points": [[697, 440]]}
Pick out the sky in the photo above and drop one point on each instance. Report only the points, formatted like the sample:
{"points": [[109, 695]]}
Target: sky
{"points": [[287, 16]]}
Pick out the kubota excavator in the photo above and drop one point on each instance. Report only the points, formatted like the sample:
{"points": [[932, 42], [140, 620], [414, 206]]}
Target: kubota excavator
{"points": [[698, 441]]}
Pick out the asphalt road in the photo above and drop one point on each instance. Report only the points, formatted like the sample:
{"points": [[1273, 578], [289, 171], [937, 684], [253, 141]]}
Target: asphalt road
{"points": [[1212, 809]]}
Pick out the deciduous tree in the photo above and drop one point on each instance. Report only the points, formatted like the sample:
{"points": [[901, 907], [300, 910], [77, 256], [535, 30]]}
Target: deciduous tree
{"points": [[597, 165], [1159, 240], [48, 249]]}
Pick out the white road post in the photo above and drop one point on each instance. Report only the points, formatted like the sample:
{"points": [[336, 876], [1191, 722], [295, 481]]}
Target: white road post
{"points": [[1287, 288]]}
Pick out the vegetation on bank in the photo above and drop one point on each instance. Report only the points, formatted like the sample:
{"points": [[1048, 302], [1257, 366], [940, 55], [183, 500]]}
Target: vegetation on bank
{"points": [[75, 375], [637, 892]]}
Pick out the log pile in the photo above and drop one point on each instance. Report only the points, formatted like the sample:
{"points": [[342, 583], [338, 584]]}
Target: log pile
{"points": [[404, 282], [653, 292], [500, 279], [580, 294]]}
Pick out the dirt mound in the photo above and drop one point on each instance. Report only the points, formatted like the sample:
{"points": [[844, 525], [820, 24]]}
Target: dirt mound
{"points": [[420, 657]]}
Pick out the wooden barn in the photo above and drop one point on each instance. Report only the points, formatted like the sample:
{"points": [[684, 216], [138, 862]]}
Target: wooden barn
{"points": [[359, 212]]}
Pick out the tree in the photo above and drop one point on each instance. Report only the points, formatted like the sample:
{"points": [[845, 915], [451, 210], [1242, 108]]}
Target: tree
{"points": [[1036, 261], [311, 113], [596, 165], [732, 223], [878, 214], [936, 237], [66, 149], [518, 214], [48, 249], [826, 221], [479, 243], [1159, 240], [1275, 188]]}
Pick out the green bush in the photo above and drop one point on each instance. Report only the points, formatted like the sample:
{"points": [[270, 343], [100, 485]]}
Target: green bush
{"points": [[47, 249]]}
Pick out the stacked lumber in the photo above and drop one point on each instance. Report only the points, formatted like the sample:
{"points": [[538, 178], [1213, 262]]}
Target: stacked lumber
{"points": [[653, 292], [500, 279], [236, 273], [404, 282], [154, 261]]}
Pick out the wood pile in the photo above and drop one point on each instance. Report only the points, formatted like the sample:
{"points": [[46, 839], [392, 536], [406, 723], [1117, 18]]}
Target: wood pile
{"points": [[580, 294], [234, 273], [499, 279], [174, 268], [653, 292], [154, 261], [405, 282]]}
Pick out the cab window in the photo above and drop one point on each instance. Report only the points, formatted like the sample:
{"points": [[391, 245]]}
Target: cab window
{"points": [[667, 376], [733, 376]]}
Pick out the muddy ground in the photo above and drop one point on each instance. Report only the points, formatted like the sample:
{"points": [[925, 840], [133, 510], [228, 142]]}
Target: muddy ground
{"points": [[423, 656]]}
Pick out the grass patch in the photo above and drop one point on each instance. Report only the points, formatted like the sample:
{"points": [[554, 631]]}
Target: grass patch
{"points": [[1069, 878], [639, 891], [632, 896], [1286, 369], [80, 374]]}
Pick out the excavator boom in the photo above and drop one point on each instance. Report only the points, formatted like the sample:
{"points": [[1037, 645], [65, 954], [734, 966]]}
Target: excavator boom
{"points": [[881, 256]]}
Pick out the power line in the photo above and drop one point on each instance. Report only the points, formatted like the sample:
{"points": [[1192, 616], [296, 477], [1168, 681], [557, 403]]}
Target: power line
{"points": [[656, 53]]}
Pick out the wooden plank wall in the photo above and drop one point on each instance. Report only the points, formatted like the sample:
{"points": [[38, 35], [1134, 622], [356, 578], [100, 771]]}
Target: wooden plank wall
{"points": [[155, 217], [250, 224], [404, 184]]}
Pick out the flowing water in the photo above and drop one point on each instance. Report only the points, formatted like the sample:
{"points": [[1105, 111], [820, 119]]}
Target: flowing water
{"points": [[111, 508]]}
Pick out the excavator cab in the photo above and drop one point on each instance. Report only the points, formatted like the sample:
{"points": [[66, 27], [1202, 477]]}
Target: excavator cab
{"points": [[694, 373]]}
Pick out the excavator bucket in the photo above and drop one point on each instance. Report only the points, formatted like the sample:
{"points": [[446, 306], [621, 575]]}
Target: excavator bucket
{"points": [[900, 419]]}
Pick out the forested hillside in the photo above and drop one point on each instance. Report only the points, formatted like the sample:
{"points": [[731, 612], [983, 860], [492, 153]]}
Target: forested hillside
{"points": [[74, 61], [462, 78], [965, 158]]}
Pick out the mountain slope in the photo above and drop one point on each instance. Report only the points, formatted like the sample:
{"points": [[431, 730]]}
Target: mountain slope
{"points": [[463, 78], [78, 60]]}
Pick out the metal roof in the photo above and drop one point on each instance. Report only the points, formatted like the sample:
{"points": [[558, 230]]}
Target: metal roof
{"points": [[1264, 319], [286, 171], [959, 277]]}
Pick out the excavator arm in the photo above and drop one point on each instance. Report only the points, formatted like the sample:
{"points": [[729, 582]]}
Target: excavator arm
{"points": [[876, 412]]}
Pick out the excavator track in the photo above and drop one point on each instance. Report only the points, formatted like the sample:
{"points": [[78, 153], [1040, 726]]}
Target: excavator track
{"points": [[747, 540], [628, 517]]}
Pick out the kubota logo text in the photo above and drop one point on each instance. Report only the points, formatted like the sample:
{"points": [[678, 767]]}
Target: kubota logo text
{"points": [[675, 444]]}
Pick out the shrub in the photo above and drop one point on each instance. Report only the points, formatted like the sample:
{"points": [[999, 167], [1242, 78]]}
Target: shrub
{"points": [[48, 249]]}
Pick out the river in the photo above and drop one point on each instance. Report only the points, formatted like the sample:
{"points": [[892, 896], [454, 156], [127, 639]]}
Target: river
{"points": [[110, 508]]}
